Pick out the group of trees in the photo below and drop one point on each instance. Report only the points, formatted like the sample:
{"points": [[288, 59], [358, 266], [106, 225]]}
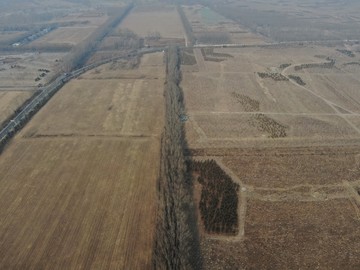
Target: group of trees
{"points": [[282, 66], [297, 79], [269, 125], [219, 200], [346, 52], [122, 39], [176, 243], [274, 76], [249, 104], [155, 35], [214, 37]]}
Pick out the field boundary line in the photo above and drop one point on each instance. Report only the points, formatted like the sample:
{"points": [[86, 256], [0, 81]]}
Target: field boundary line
{"points": [[328, 102]]}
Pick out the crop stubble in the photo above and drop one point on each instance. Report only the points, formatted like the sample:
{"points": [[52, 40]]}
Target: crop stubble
{"points": [[75, 194]]}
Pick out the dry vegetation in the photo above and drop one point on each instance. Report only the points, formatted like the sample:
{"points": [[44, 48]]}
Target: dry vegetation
{"points": [[82, 192], [66, 35], [296, 20], [246, 158], [19, 71], [37, 59], [155, 24], [10, 101], [209, 27], [292, 147]]}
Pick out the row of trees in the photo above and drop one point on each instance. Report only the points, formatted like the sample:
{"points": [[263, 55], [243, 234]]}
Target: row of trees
{"points": [[274, 76], [329, 64], [297, 79], [219, 200], [176, 243]]}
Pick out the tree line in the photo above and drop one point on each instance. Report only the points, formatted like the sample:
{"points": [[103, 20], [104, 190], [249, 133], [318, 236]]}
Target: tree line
{"points": [[176, 243]]}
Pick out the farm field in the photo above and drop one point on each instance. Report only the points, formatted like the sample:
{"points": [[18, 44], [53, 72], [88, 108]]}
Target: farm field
{"points": [[210, 27], [229, 102], [89, 160], [10, 101], [89, 19], [19, 71], [148, 21], [18, 78], [290, 143], [295, 21], [65, 35]]}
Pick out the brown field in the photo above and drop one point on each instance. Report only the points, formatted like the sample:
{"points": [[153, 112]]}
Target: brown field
{"points": [[65, 35], [205, 23], [78, 184], [164, 20], [224, 98], [293, 149], [19, 71], [289, 235], [10, 101], [17, 78], [89, 19], [294, 20]]}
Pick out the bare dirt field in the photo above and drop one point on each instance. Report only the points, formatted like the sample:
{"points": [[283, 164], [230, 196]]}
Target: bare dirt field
{"points": [[65, 35], [291, 143], [147, 21], [78, 184]]}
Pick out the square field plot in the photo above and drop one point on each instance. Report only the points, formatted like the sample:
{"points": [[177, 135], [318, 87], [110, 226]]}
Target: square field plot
{"points": [[144, 22]]}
